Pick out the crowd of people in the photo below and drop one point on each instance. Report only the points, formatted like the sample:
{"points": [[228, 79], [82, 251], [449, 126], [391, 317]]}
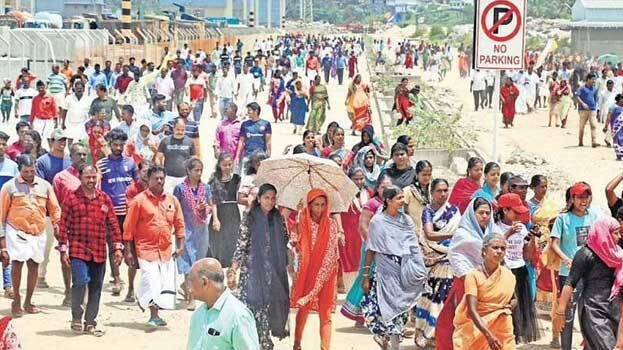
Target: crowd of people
{"points": [[452, 264], [559, 85]]}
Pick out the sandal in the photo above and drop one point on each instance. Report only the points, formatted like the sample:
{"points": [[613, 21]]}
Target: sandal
{"points": [[31, 309], [8, 293], [190, 306], [116, 289], [16, 310], [92, 330], [67, 301], [76, 326], [381, 341], [130, 297]]}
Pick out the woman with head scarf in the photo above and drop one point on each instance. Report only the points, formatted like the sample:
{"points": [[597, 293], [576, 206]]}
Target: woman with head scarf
{"points": [[401, 172], [483, 318], [440, 220], [352, 306], [358, 103], [262, 258], [366, 161], [315, 284], [417, 195], [399, 276], [599, 266], [350, 252], [464, 256], [367, 139], [319, 102], [464, 189]]}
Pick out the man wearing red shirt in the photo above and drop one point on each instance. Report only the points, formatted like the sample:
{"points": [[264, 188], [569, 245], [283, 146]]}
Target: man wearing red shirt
{"points": [[18, 147], [123, 81], [312, 67], [87, 214], [44, 112]]}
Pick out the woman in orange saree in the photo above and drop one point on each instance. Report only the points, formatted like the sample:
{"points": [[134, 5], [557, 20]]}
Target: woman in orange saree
{"points": [[358, 104], [483, 319], [315, 285]]}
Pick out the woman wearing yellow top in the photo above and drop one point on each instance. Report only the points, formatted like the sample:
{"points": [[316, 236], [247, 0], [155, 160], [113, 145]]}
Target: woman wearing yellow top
{"points": [[484, 317]]}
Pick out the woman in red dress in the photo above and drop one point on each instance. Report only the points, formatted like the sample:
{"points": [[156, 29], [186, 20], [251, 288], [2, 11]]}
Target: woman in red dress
{"points": [[403, 105], [409, 60], [350, 252], [508, 96], [315, 285]]}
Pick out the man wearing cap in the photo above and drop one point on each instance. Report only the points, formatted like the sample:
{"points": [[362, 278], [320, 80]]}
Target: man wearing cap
{"points": [[568, 235], [24, 204], [513, 227], [44, 112], [48, 165]]}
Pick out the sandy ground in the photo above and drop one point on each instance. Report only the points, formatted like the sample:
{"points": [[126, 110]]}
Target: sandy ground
{"points": [[125, 324]]}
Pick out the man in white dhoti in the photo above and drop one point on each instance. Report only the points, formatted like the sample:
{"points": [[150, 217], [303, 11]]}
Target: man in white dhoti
{"points": [[25, 202], [246, 87], [152, 216]]}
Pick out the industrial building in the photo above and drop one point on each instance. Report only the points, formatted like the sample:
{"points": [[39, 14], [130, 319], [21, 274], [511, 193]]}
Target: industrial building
{"points": [[596, 27]]}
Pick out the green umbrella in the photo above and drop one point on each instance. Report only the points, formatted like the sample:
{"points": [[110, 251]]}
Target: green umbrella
{"points": [[609, 58]]}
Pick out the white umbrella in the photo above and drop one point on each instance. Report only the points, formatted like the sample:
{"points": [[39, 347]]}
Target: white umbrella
{"points": [[295, 175]]}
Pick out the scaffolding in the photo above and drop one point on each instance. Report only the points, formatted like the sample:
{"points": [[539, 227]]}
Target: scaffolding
{"points": [[306, 10]]}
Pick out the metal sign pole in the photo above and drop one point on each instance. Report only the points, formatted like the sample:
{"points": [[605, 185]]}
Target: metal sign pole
{"points": [[496, 115]]}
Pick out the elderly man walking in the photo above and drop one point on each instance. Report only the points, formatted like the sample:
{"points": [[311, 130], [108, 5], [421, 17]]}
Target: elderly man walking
{"points": [[24, 204], [86, 215], [223, 322], [152, 216]]}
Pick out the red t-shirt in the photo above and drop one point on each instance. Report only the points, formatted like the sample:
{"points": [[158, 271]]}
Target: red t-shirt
{"points": [[44, 107], [123, 82]]}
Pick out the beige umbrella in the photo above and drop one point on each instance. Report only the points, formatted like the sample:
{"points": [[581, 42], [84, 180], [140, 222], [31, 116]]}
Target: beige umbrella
{"points": [[295, 175]]}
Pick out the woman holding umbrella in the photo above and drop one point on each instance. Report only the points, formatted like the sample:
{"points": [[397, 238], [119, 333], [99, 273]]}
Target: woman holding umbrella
{"points": [[261, 256], [315, 286]]}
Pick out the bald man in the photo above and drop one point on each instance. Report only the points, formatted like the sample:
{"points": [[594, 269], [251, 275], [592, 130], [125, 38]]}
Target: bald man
{"points": [[223, 322]]}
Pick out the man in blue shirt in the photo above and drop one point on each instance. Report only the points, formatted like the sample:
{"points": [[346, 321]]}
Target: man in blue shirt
{"points": [[327, 64], [255, 134], [48, 165], [96, 79], [587, 97], [340, 65], [117, 174]]}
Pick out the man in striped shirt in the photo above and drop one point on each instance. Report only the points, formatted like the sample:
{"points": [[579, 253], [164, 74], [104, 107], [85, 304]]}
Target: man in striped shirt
{"points": [[117, 174], [57, 85]]}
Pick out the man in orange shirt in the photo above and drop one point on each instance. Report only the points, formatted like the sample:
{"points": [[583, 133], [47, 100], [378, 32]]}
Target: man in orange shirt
{"points": [[24, 204], [44, 115], [152, 216]]}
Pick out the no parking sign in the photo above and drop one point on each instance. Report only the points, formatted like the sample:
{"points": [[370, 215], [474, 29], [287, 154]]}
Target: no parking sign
{"points": [[499, 29]]}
